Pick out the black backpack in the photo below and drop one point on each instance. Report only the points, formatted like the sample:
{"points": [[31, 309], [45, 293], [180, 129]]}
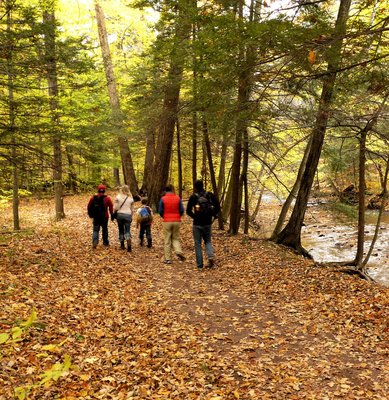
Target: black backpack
{"points": [[204, 204], [96, 208]]}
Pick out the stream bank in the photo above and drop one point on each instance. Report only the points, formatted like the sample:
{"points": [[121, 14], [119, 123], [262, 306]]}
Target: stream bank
{"points": [[331, 236]]}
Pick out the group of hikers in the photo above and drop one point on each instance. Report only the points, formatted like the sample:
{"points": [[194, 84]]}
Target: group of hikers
{"points": [[202, 207]]}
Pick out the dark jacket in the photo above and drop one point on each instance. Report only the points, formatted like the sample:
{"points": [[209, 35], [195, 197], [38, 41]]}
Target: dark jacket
{"points": [[198, 218], [108, 205]]}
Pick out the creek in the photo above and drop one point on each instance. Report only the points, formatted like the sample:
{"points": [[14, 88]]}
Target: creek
{"points": [[338, 242], [330, 238]]}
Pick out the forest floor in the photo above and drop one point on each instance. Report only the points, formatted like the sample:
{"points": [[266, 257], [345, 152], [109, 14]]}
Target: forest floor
{"points": [[263, 324]]}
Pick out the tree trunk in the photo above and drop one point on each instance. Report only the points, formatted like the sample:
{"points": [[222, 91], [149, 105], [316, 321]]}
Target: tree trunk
{"points": [[245, 82], [11, 126], [170, 105], [116, 176], [52, 80], [211, 168], [179, 161], [291, 235], [194, 112], [243, 182], [361, 197], [362, 266], [194, 147], [292, 194], [117, 118], [358, 261], [149, 159], [222, 167], [72, 176]]}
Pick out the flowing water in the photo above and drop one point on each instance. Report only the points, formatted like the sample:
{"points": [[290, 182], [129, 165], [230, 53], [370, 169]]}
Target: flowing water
{"points": [[337, 242], [327, 238]]}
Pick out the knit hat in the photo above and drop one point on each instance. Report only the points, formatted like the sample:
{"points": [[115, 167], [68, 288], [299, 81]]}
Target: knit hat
{"points": [[101, 187]]}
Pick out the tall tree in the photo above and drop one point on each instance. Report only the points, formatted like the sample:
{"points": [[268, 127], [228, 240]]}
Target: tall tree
{"points": [[11, 105], [117, 117], [245, 86], [52, 80], [168, 117], [291, 235]]}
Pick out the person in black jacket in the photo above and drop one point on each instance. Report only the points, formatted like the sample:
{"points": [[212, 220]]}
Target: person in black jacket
{"points": [[203, 208]]}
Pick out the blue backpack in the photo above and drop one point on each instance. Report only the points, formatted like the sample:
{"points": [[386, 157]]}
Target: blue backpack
{"points": [[145, 215]]}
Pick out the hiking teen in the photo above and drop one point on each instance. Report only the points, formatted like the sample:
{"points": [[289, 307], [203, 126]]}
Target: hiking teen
{"points": [[171, 209], [98, 208], [203, 207], [124, 207], [144, 218]]}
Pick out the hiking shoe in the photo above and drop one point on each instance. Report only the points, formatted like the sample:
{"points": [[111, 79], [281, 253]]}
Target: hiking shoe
{"points": [[200, 266], [181, 256], [167, 262], [95, 243], [211, 263]]}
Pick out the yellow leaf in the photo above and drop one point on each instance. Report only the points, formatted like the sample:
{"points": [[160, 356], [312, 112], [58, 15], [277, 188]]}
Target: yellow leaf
{"points": [[311, 57], [3, 337]]}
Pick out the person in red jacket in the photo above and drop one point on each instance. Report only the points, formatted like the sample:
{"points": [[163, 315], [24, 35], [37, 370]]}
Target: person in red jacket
{"points": [[171, 209], [98, 208]]}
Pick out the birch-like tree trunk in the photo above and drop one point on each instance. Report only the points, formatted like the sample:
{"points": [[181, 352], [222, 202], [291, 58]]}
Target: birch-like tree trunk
{"points": [[52, 80], [117, 118]]}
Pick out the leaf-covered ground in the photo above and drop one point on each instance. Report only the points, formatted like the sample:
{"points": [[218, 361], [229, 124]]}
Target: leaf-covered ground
{"points": [[263, 324]]}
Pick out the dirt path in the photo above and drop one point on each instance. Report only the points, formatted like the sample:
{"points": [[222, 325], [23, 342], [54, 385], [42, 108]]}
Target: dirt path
{"points": [[264, 324]]}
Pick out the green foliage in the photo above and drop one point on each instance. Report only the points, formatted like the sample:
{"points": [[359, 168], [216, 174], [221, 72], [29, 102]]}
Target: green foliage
{"points": [[50, 375], [345, 210], [15, 334]]}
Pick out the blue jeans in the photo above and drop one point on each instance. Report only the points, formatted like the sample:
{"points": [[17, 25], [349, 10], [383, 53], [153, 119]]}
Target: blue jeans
{"points": [[145, 230], [96, 230], [200, 233], [124, 225]]}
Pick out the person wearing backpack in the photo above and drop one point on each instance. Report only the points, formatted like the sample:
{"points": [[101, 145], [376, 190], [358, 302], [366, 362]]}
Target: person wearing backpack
{"points": [[98, 207], [203, 208], [124, 209], [144, 218], [171, 210]]}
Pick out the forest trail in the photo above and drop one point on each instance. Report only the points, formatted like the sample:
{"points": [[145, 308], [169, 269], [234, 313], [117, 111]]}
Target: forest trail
{"points": [[263, 324]]}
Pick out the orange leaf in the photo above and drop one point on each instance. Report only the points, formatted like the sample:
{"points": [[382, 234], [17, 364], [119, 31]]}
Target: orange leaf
{"points": [[311, 57]]}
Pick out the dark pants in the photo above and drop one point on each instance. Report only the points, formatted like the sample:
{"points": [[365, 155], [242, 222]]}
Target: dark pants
{"points": [[145, 230], [96, 230], [202, 233]]}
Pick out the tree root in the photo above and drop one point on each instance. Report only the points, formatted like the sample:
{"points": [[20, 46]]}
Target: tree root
{"points": [[351, 270]]}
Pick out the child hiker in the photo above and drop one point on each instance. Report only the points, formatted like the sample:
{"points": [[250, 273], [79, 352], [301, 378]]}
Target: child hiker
{"points": [[144, 218]]}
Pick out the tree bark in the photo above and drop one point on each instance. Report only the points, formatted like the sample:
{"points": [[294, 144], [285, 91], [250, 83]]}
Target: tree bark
{"points": [[72, 176], [291, 235], [179, 161], [292, 194], [11, 126], [211, 169], [245, 83], [117, 118], [149, 159], [362, 265], [52, 80], [170, 105]]}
